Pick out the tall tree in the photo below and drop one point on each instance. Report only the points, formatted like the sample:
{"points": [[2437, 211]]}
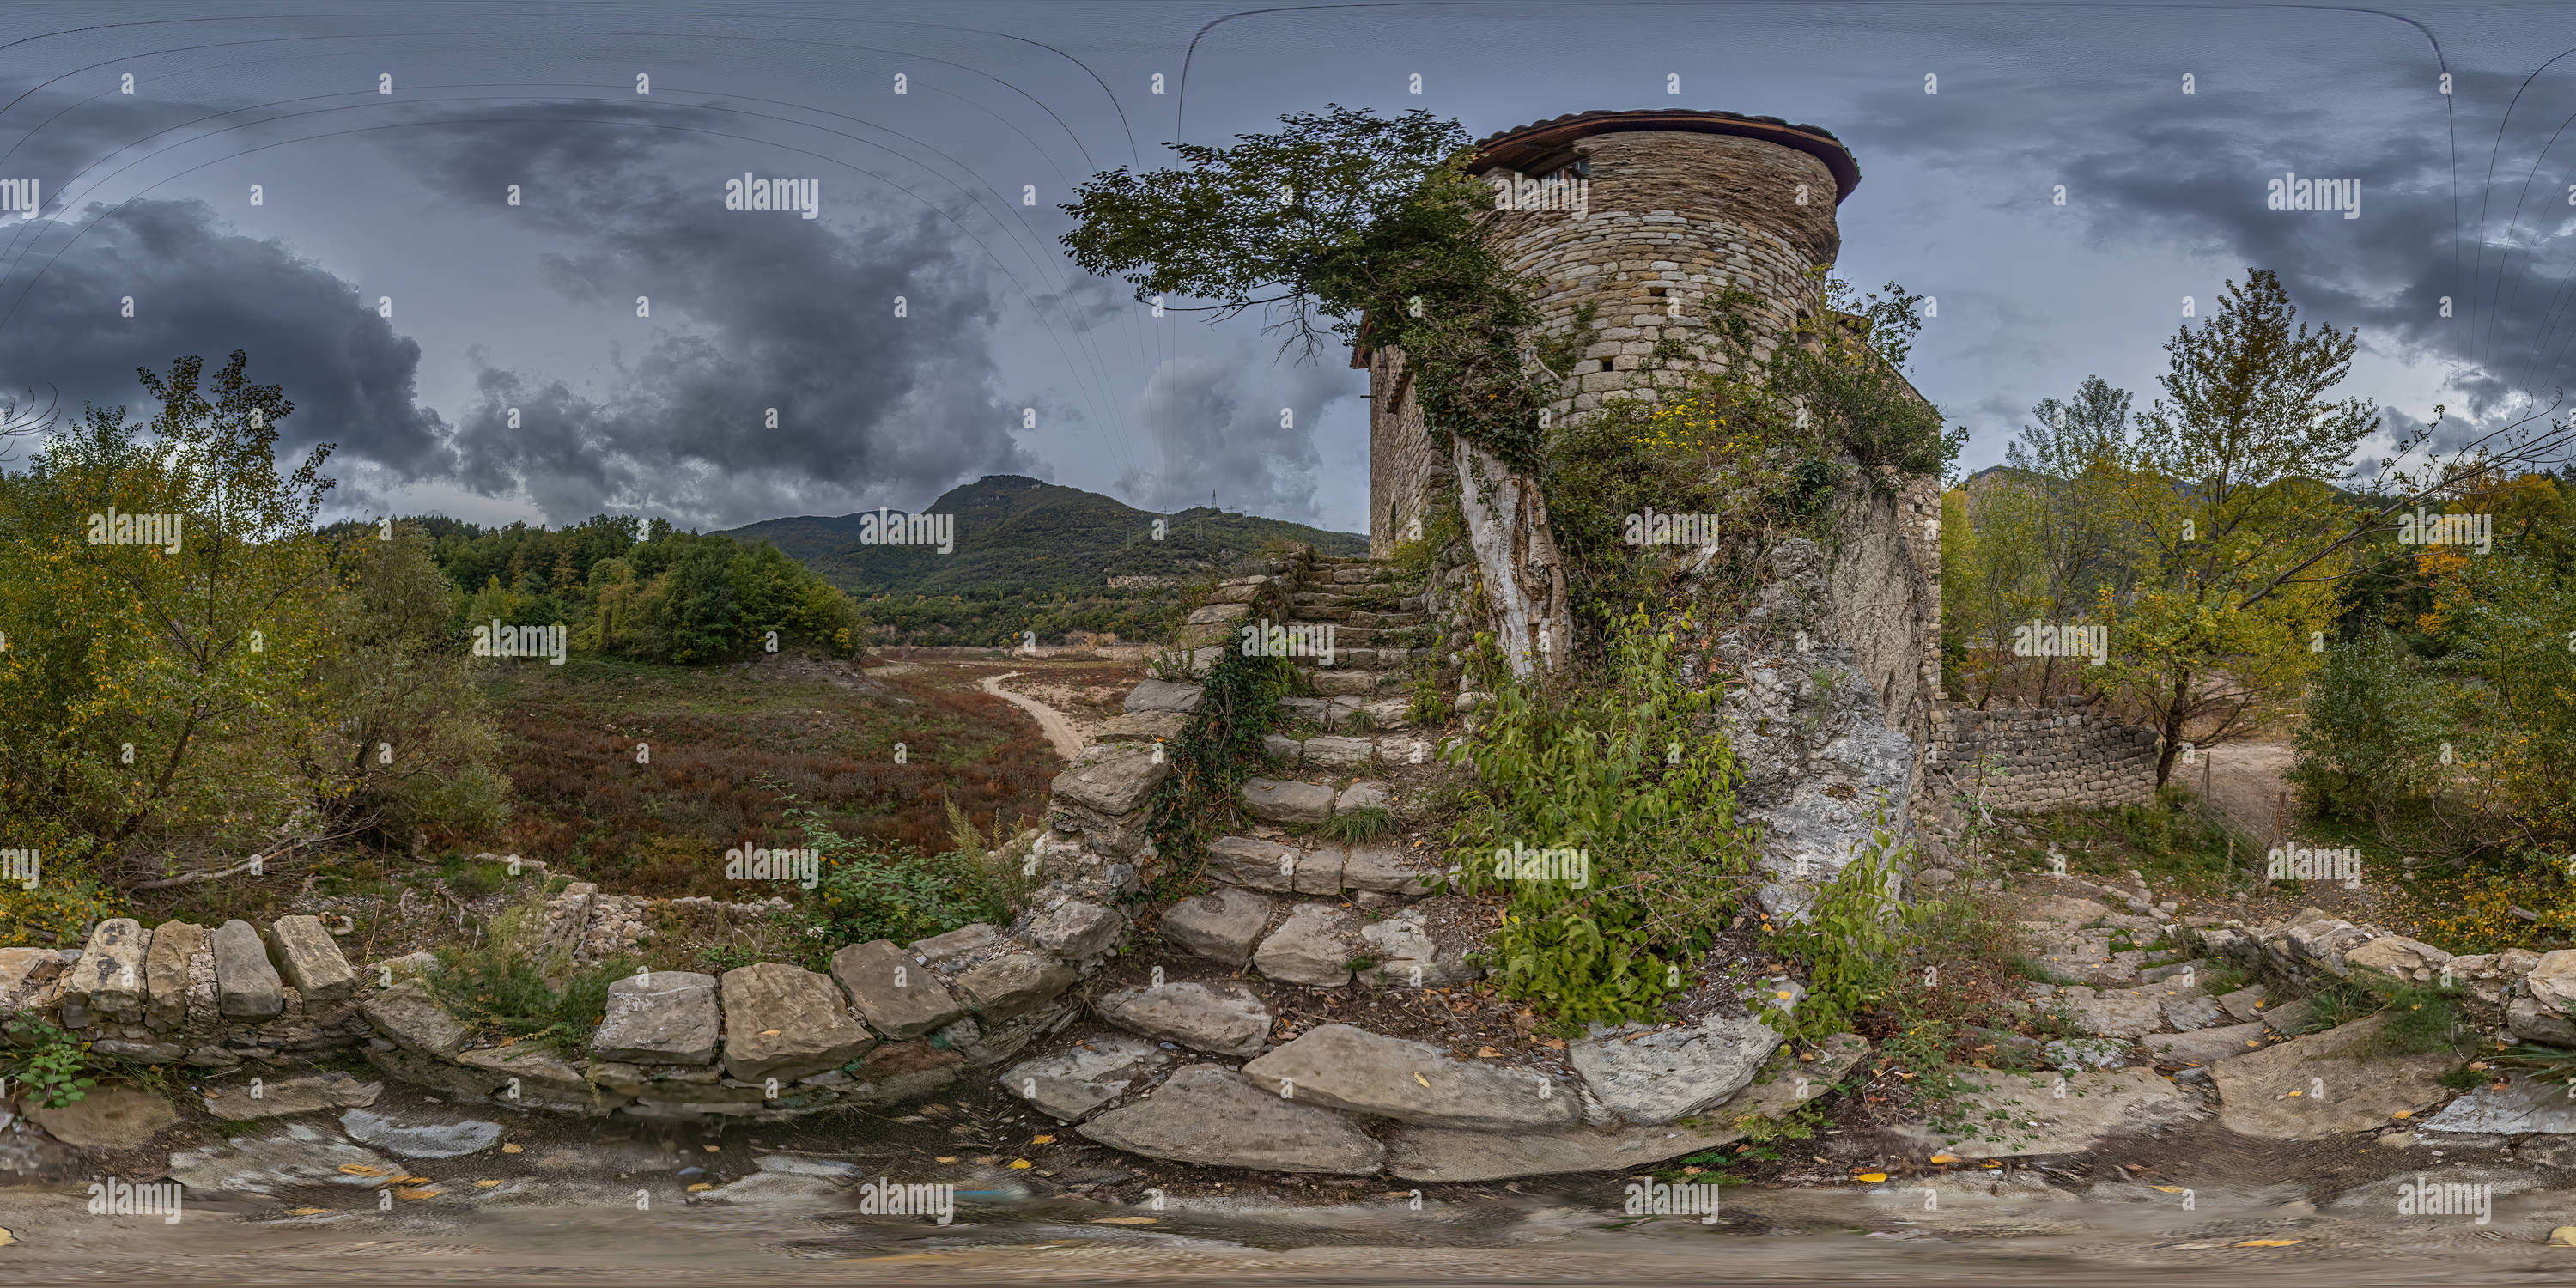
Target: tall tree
{"points": [[2227, 481]]}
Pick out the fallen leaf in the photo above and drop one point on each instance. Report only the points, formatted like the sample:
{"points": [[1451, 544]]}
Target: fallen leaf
{"points": [[416, 1193], [1553, 1044], [702, 1185], [770, 1033], [2564, 1236], [2403, 1113], [1426, 1082], [1945, 1158], [306, 1211], [1487, 1053], [361, 1169], [1021, 1164], [947, 1158], [1872, 1177], [512, 1149], [2269, 1243], [485, 1185], [712, 1149], [1041, 1140], [2169, 1189], [1123, 1220]]}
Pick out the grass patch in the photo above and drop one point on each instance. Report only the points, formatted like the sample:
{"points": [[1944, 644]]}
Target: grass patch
{"points": [[1358, 826]]}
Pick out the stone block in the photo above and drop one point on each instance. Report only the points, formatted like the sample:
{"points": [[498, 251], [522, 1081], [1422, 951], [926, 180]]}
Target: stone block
{"points": [[786, 1023], [246, 985], [1341, 1066], [1273, 801], [1014, 984], [409, 1015], [901, 999], [1222, 925], [165, 972], [311, 961], [1163, 695], [1113, 778], [108, 978], [1075, 930], [1314, 947], [1224, 1018], [664, 1017]]}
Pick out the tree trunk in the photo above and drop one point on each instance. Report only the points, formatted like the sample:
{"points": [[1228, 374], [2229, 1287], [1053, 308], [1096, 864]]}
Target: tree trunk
{"points": [[2172, 728]]}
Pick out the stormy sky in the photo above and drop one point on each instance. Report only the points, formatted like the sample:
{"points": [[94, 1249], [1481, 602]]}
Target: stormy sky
{"points": [[258, 190]]}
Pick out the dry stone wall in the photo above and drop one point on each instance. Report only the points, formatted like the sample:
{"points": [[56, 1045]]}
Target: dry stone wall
{"points": [[2041, 758]]}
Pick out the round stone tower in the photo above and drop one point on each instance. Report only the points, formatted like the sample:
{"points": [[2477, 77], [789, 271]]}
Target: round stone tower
{"points": [[1647, 217]]}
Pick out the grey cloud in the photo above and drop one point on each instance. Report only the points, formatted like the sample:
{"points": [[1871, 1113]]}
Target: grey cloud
{"points": [[1215, 432], [750, 310], [199, 288]]}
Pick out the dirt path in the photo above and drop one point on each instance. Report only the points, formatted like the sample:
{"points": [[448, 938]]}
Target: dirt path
{"points": [[1059, 730]]}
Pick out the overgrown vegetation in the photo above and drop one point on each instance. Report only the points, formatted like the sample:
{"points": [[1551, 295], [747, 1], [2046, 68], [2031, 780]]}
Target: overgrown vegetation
{"points": [[1216, 751], [50, 1062], [511, 986], [1619, 768]]}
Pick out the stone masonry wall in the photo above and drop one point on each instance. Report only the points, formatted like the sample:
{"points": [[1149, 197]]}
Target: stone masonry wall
{"points": [[1406, 473], [2045, 758]]}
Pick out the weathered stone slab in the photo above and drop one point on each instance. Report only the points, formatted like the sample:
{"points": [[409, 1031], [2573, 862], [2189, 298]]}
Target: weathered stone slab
{"points": [[2323, 1084], [453, 1138], [303, 1155], [1334, 751], [246, 985], [2553, 981], [1273, 801], [1228, 1019], [2024, 1115], [1658, 1075], [2245, 1003], [311, 961], [2206, 1045], [966, 941], [1014, 985], [106, 1118], [665, 1017], [2398, 957], [165, 972], [1074, 1083], [1385, 869], [279, 1097], [900, 998], [1075, 929], [25, 970], [1252, 863], [1454, 1156], [1282, 750], [2188, 1008], [1409, 957], [1205, 1114], [1145, 726], [2088, 1053], [1222, 925], [109, 976], [1314, 946], [1365, 794], [1163, 695], [2532, 1022], [785, 1023], [1113, 778], [2527, 1104], [1343, 1067], [2112, 1012], [410, 1016]]}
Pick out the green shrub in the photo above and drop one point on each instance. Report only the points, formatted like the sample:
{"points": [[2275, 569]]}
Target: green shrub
{"points": [[1617, 770], [866, 892], [53, 1063], [1215, 753], [1851, 941]]}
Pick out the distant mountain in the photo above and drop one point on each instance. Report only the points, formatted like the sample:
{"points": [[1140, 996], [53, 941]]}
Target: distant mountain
{"points": [[1016, 533]]}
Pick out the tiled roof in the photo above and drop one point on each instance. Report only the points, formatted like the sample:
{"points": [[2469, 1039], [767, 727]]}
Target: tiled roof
{"points": [[1539, 138]]}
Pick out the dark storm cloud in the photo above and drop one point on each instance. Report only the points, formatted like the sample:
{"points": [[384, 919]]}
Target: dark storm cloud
{"points": [[2162, 169], [199, 288], [750, 310]]}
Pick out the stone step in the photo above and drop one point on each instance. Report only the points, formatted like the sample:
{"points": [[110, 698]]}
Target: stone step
{"points": [[1251, 863], [1361, 659], [1337, 681], [1348, 752], [1344, 713]]}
